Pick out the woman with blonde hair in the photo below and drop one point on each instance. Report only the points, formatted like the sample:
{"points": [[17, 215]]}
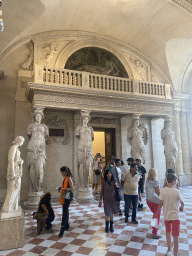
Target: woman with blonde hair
{"points": [[152, 197]]}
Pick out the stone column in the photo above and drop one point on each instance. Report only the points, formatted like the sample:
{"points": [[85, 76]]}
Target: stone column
{"points": [[189, 122], [176, 128], [185, 144], [85, 134], [34, 193], [135, 138]]}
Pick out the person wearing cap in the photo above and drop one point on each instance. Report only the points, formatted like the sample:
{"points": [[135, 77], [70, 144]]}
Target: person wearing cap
{"points": [[130, 161]]}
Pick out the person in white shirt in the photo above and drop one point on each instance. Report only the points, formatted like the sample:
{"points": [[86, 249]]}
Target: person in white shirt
{"points": [[130, 189], [170, 197]]}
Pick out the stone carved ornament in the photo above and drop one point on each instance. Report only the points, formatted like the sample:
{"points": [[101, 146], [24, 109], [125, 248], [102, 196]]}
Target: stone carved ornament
{"points": [[85, 136], [170, 145], [28, 65], [137, 137], [36, 151], [140, 68], [58, 122], [11, 207], [48, 53]]}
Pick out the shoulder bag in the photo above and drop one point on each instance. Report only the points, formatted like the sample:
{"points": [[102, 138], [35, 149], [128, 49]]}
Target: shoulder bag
{"points": [[152, 195], [118, 195]]}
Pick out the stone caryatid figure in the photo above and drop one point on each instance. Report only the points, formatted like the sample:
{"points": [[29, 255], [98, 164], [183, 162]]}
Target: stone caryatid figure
{"points": [[36, 156], [170, 146], [85, 134], [135, 137], [11, 207]]}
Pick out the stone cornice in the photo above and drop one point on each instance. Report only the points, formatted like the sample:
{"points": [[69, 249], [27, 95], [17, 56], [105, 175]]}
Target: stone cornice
{"points": [[181, 96], [65, 98], [186, 5]]}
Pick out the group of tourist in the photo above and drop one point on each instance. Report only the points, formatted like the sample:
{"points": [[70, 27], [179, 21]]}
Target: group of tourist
{"points": [[132, 182]]}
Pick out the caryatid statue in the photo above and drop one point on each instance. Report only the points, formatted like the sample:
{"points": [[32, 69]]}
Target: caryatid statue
{"points": [[135, 137], [170, 146], [36, 156], [11, 207], [85, 156]]}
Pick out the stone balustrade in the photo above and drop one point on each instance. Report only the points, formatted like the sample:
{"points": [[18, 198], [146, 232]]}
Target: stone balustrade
{"points": [[86, 80]]}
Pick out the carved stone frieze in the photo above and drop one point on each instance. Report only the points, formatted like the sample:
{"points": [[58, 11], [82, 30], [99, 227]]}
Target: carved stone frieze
{"points": [[103, 120], [116, 105], [55, 123]]}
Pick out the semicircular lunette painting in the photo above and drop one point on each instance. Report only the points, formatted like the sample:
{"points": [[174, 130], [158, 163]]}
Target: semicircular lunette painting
{"points": [[96, 60]]}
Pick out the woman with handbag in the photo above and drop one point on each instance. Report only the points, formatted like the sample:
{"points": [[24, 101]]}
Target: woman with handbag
{"points": [[152, 197], [109, 199], [66, 196]]}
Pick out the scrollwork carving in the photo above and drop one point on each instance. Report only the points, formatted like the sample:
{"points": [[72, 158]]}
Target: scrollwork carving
{"points": [[58, 122]]}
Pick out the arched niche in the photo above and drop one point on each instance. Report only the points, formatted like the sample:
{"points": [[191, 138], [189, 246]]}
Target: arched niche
{"points": [[108, 48]]}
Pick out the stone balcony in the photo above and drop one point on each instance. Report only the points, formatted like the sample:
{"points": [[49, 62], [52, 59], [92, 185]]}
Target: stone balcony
{"points": [[96, 82], [70, 89]]}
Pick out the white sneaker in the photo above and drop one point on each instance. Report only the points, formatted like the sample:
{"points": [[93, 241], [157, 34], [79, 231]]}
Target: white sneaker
{"points": [[169, 253]]}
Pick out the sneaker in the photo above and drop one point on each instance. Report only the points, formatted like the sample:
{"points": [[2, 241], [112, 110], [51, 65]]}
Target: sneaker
{"points": [[169, 253]]}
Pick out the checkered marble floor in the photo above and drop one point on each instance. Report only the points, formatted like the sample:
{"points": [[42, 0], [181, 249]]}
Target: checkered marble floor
{"points": [[87, 236]]}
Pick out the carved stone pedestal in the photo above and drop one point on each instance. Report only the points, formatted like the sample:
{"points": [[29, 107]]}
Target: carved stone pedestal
{"points": [[85, 195], [12, 232], [185, 179], [7, 215], [33, 199]]}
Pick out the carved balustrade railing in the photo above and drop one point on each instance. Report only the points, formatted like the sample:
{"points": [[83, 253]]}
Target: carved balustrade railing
{"points": [[85, 80]]}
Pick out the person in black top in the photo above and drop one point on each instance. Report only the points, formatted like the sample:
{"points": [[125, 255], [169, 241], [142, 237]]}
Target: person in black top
{"points": [[141, 183], [45, 214]]}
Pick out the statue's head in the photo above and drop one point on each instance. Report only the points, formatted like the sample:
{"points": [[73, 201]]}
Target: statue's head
{"points": [[168, 123], [38, 115], [19, 140], [85, 117], [136, 122]]}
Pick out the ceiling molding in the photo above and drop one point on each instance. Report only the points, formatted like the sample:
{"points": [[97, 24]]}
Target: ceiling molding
{"points": [[186, 5]]}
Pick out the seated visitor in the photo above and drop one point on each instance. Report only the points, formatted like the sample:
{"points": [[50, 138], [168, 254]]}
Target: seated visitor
{"points": [[44, 215]]}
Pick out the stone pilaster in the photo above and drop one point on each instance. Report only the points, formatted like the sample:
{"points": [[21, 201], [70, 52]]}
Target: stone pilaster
{"points": [[176, 128], [189, 122], [185, 144]]}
